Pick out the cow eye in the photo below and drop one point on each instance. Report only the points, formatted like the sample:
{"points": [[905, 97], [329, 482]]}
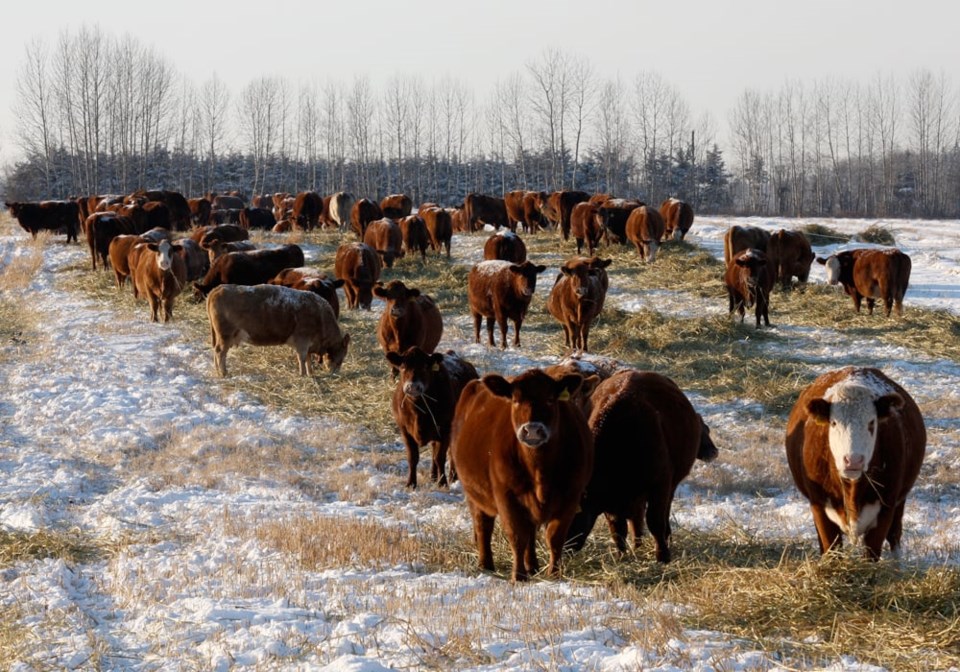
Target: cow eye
{"points": [[871, 427], [833, 423]]}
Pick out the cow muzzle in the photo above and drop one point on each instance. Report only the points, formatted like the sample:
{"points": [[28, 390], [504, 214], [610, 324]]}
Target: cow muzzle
{"points": [[853, 466], [413, 389], [533, 434]]}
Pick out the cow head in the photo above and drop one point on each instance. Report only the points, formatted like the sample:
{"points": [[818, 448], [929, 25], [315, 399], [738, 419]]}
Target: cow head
{"points": [[397, 295], [578, 274], [335, 354], [752, 264], [165, 251], [534, 402], [417, 370], [525, 277], [650, 247], [854, 409], [837, 266]]}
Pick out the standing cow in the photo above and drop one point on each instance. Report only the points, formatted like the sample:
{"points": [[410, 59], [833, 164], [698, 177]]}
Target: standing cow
{"points": [[358, 265], [789, 255], [677, 218], [160, 275], [644, 229], [501, 291], [749, 283], [871, 274], [577, 297], [855, 442], [409, 318]]}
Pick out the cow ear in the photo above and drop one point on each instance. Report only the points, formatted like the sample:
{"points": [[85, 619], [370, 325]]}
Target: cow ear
{"points": [[394, 358], [153, 246], [540, 269], [338, 283], [378, 290], [568, 385], [565, 270], [516, 268], [822, 261], [887, 404], [603, 263], [819, 410], [413, 293], [498, 385]]}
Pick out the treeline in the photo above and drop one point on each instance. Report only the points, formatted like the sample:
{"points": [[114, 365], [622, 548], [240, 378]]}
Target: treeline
{"points": [[102, 115]]}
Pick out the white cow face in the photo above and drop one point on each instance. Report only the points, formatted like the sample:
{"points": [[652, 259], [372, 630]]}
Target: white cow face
{"points": [[164, 253], [833, 269], [854, 412]]}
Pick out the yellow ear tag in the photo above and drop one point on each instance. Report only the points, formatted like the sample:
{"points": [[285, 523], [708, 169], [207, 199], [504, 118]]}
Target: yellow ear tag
{"points": [[436, 367], [564, 396]]}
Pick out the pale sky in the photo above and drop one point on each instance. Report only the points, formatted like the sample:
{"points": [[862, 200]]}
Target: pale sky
{"points": [[711, 51]]}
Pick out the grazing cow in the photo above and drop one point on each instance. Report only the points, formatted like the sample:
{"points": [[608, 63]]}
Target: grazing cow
{"points": [[385, 237], [501, 291], [257, 218], [309, 279], [576, 299], [413, 232], [585, 226], [101, 228], [424, 400], [749, 283], [740, 238], [513, 202], [176, 208], [523, 451], [225, 201], [789, 254], [871, 274], [677, 218], [362, 213], [340, 205], [306, 209], [227, 233], [225, 216], [217, 248], [855, 442], [409, 318], [255, 267], [160, 275], [646, 438], [479, 209], [275, 315], [614, 214], [47, 216], [505, 245], [533, 219], [199, 211], [439, 227], [396, 206], [358, 265], [261, 201], [559, 207], [458, 219], [146, 216], [282, 205], [645, 229], [599, 199]]}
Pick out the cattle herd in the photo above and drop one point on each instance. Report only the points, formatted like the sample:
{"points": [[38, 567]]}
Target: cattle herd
{"points": [[554, 447]]}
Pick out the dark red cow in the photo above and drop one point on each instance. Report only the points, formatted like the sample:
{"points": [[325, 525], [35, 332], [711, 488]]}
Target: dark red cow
{"points": [[439, 228], [424, 400], [396, 206], [614, 214], [645, 229], [789, 255], [257, 218], [255, 267], [500, 290], [523, 451], [309, 279], [101, 228], [740, 238], [576, 299], [199, 211], [479, 209], [505, 245], [362, 213], [585, 226], [871, 274], [749, 283], [358, 265], [559, 207], [855, 442], [416, 238], [677, 218], [306, 210], [160, 276], [409, 318], [385, 236]]}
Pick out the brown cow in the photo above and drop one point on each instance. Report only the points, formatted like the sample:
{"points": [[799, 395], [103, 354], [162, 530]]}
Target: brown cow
{"points": [[576, 299], [47, 216], [855, 441], [362, 213], [199, 211], [282, 205], [146, 216], [249, 268], [227, 233], [225, 201], [423, 404], [439, 227], [789, 254], [306, 209], [396, 206], [501, 291], [533, 219], [215, 247], [409, 318], [871, 274], [177, 208], [523, 451], [341, 204], [358, 265], [458, 220], [479, 209], [309, 279], [385, 237], [119, 253], [645, 229], [513, 201], [275, 315], [740, 238], [101, 228], [160, 275], [585, 226], [195, 259], [505, 245], [257, 218], [599, 199], [646, 437], [225, 216], [261, 201], [413, 232], [614, 214], [749, 283], [559, 207], [677, 218]]}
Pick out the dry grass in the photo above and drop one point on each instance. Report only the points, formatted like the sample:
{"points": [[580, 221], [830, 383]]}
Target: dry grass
{"points": [[70, 546], [819, 234], [876, 234]]}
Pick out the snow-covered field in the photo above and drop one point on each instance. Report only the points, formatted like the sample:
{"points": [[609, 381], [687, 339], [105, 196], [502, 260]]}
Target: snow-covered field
{"points": [[182, 591]]}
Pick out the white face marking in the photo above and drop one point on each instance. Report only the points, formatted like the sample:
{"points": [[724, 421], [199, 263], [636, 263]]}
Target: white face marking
{"points": [[163, 256], [833, 270], [853, 424]]}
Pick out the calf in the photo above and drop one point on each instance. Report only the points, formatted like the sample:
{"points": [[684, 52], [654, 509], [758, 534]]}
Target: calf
{"points": [[358, 265], [523, 451], [585, 226], [216, 248], [645, 229], [423, 404], [740, 238], [749, 282], [501, 290], [576, 299], [646, 436], [789, 254], [855, 441], [507, 246], [249, 268], [160, 275], [274, 315], [439, 228], [677, 218], [309, 279], [409, 318], [396, 206], [871, 274], [413, 232], [385, 236]]}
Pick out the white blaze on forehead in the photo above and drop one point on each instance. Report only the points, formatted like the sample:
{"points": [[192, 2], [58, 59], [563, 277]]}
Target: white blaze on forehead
{"points": [[853, 417], [163, 255]]}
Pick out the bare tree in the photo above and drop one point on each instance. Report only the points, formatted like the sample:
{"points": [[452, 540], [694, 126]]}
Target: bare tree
{"points": [[335, 135], [259, 111], [34, 109], [360, 110], [213, 101], [583, 89], [549, 99], [613, 135]]}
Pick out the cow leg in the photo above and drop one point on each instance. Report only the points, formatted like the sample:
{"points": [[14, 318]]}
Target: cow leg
{"points": [[502, 324], [516, 332], [857, 300], [658, 520], [618, 530], [584, 333], [154, 306], [556, 535], [303, 358], [871, 302], [490, 330], [884, 529], [167, 309], [896, 528], [521, 533], [827, 531], [579, 246], [413, 459], [482, 533], [438, 470], [477, 319]]}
